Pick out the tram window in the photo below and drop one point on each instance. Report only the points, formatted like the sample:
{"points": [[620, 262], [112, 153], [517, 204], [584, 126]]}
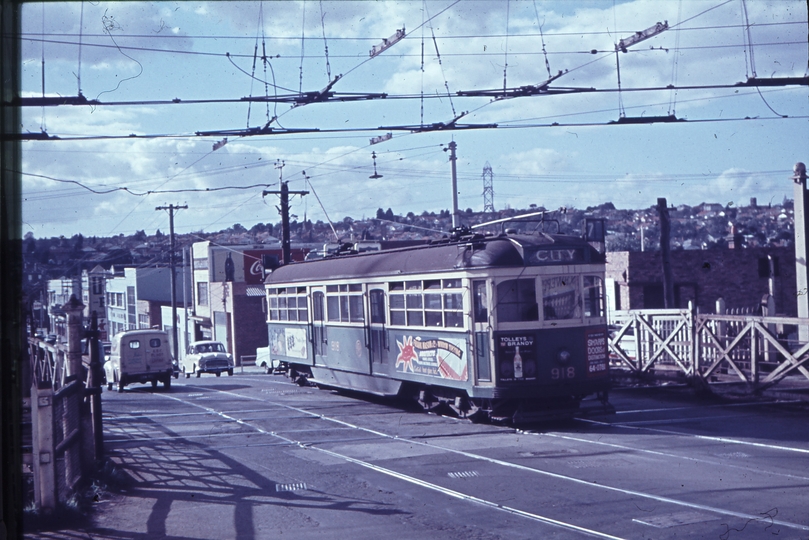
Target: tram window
{"points": [[593, 296], [481, 299], [344, 306], [273, 308], [432, 301], [414, 304], [397, 309], [453, 301], [516, 301], [377, 299], [422, 303], [397, 318], [561, 297], [317, 306], [453, 319], [355, 308], [333, 308], [453, 310]]}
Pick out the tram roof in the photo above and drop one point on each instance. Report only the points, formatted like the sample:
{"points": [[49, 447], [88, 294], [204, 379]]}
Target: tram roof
{"points": [[444, 256]]}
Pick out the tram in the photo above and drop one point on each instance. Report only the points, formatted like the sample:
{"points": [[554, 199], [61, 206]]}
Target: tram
{"points": [[505, 327]]}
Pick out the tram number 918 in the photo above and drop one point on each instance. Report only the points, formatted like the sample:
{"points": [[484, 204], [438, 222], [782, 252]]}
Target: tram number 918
{"points": [[563, 373]]}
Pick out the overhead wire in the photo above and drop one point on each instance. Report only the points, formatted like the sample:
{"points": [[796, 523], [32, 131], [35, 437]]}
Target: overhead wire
{"points": [[675, 63], [325, 43], [303, 45], [438, 55], [219, 37], [505, 52]]}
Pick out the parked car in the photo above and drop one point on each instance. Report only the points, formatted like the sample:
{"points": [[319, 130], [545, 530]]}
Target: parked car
{"points": [[139, 356], [207, 357]]}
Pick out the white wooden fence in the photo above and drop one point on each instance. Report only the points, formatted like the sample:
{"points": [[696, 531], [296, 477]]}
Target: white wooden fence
{"points": [[751, 348]]}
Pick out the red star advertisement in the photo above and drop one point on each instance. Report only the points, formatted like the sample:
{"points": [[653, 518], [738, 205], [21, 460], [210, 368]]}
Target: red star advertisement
{"points": [[434, 357]]}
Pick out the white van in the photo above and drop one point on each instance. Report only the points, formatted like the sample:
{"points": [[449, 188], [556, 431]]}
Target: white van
{"points": [[139, 356]]}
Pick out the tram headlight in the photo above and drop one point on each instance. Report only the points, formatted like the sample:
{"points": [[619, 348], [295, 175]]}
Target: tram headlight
{"points": [[563, 356]]}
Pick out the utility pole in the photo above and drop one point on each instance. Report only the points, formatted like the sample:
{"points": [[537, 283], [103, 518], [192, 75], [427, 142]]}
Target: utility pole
{"points": [[171, 208], [665, 250], [452, 159], [284, 211], [801, 207]]}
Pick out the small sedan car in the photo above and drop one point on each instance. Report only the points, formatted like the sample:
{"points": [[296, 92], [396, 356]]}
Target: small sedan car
{"points": [[206, 357]]}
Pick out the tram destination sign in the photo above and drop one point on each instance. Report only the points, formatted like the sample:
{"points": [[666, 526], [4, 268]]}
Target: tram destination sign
{"points": [[556, 255]]}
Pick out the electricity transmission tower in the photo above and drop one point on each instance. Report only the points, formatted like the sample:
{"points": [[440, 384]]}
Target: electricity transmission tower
{"points": [[488, 190]]}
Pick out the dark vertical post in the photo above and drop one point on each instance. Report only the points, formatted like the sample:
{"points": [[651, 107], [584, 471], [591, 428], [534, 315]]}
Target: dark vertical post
{"points": [[665, 250], [171, 208], [453, 159], [95, 389], [801, 205], [285, 247], [284, 193]]}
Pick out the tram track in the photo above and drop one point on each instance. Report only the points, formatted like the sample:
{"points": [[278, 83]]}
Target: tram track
{"points": [[285, 437]]}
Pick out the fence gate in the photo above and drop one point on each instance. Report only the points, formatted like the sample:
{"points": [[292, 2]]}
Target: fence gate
{"points": [[752, 349]]}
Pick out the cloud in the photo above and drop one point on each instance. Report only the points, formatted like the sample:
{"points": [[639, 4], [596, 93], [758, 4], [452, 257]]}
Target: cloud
{"points": [[570, 164]]}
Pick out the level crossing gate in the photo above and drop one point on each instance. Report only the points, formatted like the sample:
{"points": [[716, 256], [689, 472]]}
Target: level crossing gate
{"points": [[759, 351]]}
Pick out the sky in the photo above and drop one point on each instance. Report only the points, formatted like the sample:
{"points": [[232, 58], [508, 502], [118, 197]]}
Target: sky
{"points": [[556, 149]]}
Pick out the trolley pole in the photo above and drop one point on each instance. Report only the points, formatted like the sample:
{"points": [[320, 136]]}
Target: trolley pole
{"points": [[171, 208], [284, 211]]}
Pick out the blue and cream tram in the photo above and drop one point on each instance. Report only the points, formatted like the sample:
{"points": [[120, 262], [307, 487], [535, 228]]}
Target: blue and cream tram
{"points": [[510, 327]]}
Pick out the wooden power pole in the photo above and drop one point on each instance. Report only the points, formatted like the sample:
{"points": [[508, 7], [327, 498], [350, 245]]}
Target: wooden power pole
{"points": [[665, 250], [284, 211], [171, 208]]}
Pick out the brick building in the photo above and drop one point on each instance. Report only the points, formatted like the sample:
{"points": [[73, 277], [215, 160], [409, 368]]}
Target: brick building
{"points": [[740, 276]]}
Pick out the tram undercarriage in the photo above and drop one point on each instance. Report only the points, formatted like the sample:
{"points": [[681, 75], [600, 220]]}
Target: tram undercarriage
{"points": [[456, 402]]}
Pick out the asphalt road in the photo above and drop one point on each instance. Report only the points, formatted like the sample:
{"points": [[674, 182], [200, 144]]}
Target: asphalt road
{"points": [[253, 456]]}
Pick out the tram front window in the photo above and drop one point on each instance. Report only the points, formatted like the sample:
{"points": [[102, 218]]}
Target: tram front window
{"points": [[517, 301], [593, 296], [561, 298]]}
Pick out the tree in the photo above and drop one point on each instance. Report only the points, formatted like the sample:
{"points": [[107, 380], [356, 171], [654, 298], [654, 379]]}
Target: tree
{"points": [[78, 242], [380, 214], [389, 215]]}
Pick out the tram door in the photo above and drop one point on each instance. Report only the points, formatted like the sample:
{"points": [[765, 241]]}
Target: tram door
{"points": [[481, 330], [319, 335], [377, 334]]}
